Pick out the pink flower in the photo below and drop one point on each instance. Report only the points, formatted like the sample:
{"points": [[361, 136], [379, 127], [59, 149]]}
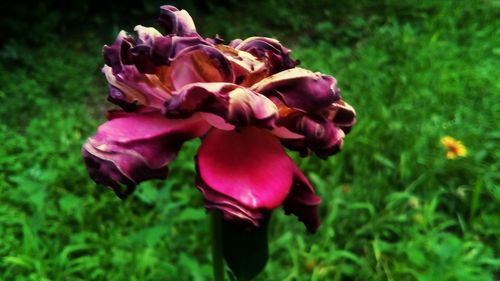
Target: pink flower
{"points": [[246, 100]]}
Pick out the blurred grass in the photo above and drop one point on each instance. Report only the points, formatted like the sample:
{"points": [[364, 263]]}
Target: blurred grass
{"points": [[394, 208]]}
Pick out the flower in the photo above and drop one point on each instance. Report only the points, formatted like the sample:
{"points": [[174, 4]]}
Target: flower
{"points": [[454, 148], [246, 100]]}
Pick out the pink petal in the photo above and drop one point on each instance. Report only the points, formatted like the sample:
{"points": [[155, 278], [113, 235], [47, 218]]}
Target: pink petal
{"points": [[284, 133], [249, 167], [232, 210], [200, 63], [133, 147], [217, 121]]}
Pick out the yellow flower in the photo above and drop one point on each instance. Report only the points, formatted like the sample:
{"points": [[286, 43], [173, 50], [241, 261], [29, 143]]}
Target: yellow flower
{"points": [[455, 148]]}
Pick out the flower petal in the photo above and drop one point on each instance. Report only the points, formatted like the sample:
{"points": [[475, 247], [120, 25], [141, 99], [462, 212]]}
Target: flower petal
{"points": [[270, 50], [166, 48], [147, 34], [116, 96], [133, 147], [136, 87], [342, 115], [177, 22], [302, 202], [300, 88], [113, 54], [249, 167], [200, 63], [236, 105], [320, 135], [247, 69], [232, 210], [140, 54]]}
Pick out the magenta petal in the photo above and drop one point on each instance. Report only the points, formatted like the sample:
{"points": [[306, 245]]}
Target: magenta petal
{"points": [[300, 88], [133, 147], [177, 22], [232, 210], [250, 167], [302, 202]]}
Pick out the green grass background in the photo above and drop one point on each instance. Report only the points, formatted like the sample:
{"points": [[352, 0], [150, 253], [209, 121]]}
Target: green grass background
{"points": [[394, 208]]}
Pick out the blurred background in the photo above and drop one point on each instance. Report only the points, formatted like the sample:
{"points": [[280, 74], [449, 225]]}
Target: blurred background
{"points": [[394, 207]]}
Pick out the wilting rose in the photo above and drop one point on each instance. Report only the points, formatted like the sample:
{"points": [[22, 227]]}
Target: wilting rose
{"points": [[246, 100]]}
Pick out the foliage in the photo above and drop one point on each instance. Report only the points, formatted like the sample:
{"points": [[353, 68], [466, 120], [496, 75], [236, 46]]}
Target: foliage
{"points": [[394, 208]]}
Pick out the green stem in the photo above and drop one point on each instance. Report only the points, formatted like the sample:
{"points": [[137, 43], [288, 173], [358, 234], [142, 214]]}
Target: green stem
{"points": [[217, 259]]}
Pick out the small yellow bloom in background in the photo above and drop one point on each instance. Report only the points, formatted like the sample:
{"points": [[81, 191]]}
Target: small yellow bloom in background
{"points": [[455, 148]]}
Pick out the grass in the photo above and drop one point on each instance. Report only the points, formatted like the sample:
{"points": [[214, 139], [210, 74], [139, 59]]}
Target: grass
{"points": [[394, 208]]}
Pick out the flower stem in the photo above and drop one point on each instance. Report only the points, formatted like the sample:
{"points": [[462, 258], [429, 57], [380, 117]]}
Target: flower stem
{"points": [[217, 259]]}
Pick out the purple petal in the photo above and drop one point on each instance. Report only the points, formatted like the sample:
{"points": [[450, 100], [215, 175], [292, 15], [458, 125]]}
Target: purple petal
{"points": [[166, 48], [321, 132], [149, 50], [321, 136], [113, 54], [302, 202], [177, 22], [342, 115], [300, 88], [134, 147], [233, 104], [140, 56], [270, 50], [136, 87]]}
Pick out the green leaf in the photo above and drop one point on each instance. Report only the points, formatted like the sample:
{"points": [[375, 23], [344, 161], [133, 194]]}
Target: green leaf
{"points": [[245, 251], [192, 214]]}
